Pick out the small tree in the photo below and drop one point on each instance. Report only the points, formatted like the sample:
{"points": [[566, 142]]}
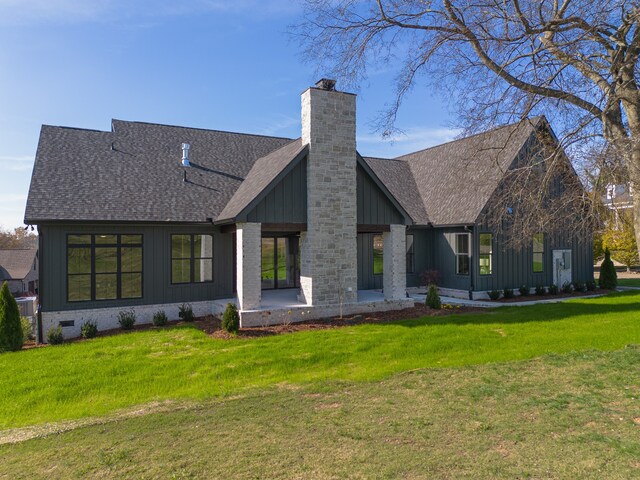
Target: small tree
{"points": [[433, 299], [11, 337], [608, 277], [620, 239], [231, 319]]}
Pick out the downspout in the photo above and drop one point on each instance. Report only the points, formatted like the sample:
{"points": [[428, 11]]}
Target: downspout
{"points": [[40, 338], [472, 258]]}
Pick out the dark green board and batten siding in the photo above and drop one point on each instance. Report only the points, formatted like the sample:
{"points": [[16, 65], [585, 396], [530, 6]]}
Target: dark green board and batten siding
{"points": [[157, 287], [513, 267], [286, 202], [374, 207]]}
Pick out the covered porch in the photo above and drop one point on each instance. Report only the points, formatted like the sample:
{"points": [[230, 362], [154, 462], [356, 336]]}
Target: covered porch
{"points": [[284, 306]]}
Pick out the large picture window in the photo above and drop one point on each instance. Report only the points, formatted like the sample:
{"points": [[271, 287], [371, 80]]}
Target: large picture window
{"points": [[410, 255], [191, 258], [462, 254], [378, 250], [486, 254], [103, 267], [538, 253]]}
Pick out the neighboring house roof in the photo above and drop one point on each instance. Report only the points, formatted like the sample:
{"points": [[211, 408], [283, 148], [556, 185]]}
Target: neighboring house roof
{"points": [[134, 172], [15, 264], [455, 180], [266, 171]]}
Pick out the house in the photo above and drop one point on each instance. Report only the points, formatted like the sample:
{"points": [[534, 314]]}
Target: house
{"points": [[147, 217], [19, 268]]}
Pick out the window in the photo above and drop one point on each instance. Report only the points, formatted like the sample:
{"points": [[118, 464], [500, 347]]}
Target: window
{"points": [[191, 258], [104, 267], [486, 254], [462, 254], [378, 249], [538, 253], [410, 256]]}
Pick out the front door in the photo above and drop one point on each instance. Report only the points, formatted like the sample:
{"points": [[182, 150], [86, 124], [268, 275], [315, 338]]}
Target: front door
{"points": [[561, 267], [280, 262]]}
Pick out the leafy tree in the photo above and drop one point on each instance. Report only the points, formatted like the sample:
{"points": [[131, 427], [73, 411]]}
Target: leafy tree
{"points": [[19, 238], [620, 239], [576, 61], [608, 276], [10, 327]]}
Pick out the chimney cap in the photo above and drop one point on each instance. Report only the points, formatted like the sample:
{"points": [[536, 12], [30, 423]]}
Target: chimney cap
{"points": [[326, 84]]}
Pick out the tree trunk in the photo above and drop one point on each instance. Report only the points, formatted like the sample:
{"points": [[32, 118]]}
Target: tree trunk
{"points": [[634, 183]]}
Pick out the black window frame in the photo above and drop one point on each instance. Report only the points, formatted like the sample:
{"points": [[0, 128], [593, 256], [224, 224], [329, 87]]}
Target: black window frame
{"points": [[481, 255], [467, 254], [410, 254], [535, 252], [191, 259], [91, 246]]}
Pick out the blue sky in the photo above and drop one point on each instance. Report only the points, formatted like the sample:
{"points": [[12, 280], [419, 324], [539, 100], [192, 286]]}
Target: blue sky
{"points": [[226, 65]]}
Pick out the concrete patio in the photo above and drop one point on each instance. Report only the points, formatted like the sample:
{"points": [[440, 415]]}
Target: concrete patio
{"points": [[283, 306]]}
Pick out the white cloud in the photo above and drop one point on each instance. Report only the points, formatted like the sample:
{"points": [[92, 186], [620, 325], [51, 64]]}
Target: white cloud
{"points": [[280, 126], [411, 140], [16, 163]]}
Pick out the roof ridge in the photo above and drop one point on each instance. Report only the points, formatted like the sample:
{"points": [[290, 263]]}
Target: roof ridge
{"points": [[76, 128], [533, 120], [203, 129]]}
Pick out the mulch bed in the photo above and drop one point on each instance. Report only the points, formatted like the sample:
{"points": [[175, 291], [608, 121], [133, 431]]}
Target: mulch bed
{"points": [[534, 297], [420, 310], [211, 325]]}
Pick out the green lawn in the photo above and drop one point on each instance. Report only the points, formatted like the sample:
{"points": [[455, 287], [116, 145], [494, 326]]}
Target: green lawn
{"points": [[97, 377], [629, 282], [567, 416]]}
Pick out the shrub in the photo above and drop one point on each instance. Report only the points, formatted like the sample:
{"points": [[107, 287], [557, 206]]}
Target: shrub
{"points": [[567, 287], [591, 285], [89, 329], [580, 287], [127, 319], [508, 293], [25, 325], [524, 290], [540, 290], [231, 319], [494, 294], [433, 299], [54, 336], [160, 318], [429, 277], [553, 289], [608, 277], [185, 312], [10, 327]]}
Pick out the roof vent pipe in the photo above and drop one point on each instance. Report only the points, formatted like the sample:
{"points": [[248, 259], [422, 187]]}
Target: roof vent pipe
{"points": [[185, 154]]}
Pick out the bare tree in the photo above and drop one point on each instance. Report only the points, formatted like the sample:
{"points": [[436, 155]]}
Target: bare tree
{"points": [[576, 61]]}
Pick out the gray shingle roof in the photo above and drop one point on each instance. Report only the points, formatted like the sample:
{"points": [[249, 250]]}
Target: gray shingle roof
{"points": [[397, 176], [77, 175], [133, 173], [455, 180], [15, 264], [264, 171]]}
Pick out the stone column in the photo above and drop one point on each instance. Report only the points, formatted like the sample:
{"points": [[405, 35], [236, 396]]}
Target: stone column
{"points": [[248, 265], [394, 276]]}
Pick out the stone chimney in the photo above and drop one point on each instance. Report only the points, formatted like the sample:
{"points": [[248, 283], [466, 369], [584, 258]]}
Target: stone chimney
{"points": [[328, 251]]}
